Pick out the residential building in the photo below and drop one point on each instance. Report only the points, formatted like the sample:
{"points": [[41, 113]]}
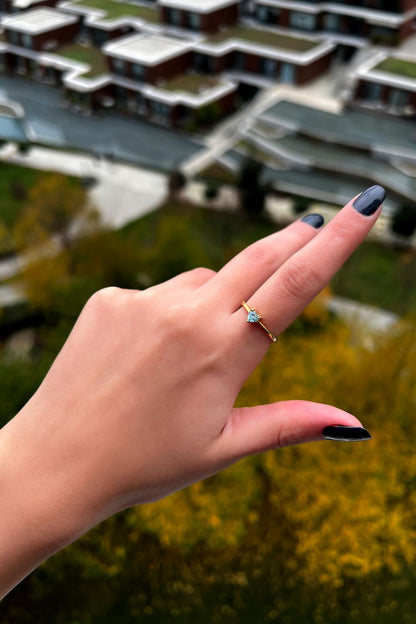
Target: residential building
{"points": [[126, 55], [30, 34], [387, 82], [202, 15], [350, 22]]}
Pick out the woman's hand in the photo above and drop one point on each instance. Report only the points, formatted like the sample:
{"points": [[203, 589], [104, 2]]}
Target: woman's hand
{"points": [[139, 401]]}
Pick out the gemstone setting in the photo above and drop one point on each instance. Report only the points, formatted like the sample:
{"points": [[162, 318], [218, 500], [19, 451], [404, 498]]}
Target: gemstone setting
{"points": [[253, 317]]}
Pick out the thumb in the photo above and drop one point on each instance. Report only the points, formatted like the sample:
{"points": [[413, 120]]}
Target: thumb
{"points": [[252, 430]]}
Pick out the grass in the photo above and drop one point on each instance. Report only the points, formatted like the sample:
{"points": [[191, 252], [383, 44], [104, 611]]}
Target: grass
{"points": [[90, 55], [192, 83], [398, 67], [381, 276], [264, 37], [121, 9]]}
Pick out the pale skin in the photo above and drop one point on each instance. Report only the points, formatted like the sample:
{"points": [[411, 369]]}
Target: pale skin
{"points": [[139, 402]]}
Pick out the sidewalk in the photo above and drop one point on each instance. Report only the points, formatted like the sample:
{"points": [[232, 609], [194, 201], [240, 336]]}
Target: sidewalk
{"points": [[122, 194]]}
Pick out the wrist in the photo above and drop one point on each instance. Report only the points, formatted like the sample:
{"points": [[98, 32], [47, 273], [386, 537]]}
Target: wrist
{"points": [[41, 509]]}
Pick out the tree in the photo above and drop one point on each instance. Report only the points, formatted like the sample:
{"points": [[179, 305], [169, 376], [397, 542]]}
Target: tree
{"points": [[53, 204], [404, 220], [211, 191], [177, 181], [252, 190]]}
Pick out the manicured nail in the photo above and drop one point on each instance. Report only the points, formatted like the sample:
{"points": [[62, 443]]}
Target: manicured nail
{"points": [[369, 200], [313, 219], [342, 433]]}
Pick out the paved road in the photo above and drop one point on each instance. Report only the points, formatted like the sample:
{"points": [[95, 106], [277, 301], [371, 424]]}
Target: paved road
{"points": [[126, 138]]}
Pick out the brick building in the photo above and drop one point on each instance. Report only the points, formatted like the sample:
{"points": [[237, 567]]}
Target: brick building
{"points": [[387, 82], [202, 16], [349, 21]]}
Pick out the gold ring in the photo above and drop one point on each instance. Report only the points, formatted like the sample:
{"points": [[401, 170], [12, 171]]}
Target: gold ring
{"points": [[254, 317]]}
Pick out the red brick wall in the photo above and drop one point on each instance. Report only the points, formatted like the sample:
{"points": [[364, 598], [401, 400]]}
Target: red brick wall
{"points": [[212, 22], [407, 5], [169, 69], [283, 19], [163, 71], [62, 35], [252, 63], [315, 69], [407, 29]]}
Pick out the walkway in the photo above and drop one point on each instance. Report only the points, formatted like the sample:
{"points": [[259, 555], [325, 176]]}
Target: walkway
{"points": [[122, 194]]}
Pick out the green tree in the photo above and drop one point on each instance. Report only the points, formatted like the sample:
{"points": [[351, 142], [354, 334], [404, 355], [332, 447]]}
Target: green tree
{"points": [[252, 190], [211, 191]]}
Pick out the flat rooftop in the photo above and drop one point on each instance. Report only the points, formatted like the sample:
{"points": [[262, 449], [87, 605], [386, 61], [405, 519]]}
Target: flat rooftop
{"points": [[114, 10], [146, 49], [400, 67], [354, 128], [264, 37], [38, 21], [198, 6]]}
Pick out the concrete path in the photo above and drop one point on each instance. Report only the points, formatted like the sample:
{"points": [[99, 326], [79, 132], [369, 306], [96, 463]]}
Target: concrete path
{"points": [[360, 314], [122, 193]]}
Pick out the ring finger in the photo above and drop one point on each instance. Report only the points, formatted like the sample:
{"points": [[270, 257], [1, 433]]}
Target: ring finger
{"points": [[283, 296], [243, 275]]}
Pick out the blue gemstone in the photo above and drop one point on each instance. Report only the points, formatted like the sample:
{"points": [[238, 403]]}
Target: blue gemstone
{"points": [[253, 317]]}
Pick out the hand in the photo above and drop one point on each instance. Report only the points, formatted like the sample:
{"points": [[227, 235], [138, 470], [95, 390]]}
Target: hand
{"points": [[139, 402]]}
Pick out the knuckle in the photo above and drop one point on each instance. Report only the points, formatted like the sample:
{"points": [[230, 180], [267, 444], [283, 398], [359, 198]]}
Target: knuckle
{"points": [[300, 278], [261, 255], [340, 231], [103, 296], [202, 273]]}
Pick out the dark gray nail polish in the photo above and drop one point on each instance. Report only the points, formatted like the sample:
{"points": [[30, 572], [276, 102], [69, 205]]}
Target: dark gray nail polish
{"points": [[342, 433], [369, 200], [314, 219]]}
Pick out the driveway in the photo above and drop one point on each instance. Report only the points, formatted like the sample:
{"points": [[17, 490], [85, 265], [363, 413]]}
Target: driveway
{"points": [[107, 133]]}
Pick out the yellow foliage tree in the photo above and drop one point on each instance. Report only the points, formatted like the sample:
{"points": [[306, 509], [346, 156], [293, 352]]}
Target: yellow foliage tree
{"points": [[52, 206]]}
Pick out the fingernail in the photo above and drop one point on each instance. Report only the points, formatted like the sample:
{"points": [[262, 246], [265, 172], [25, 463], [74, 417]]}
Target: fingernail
{"points": [[342, 433], [313, 219], [369, 200]]}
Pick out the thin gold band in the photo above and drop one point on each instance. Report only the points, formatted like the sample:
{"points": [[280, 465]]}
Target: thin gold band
{"points": [[258, 321]]}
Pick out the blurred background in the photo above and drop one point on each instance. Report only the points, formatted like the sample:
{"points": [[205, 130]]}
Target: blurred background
{"points": [[142, 139]]}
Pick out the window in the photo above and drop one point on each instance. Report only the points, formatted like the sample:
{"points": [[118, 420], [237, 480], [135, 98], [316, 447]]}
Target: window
{"points": [[399, 98], [138, 72], [287, 73], [174, 17], [372, 91], [119, 66], [240, 60], [194, 21], [14, 37], [160, 112], [302, 21], [27, 41], [268, 67], [268, 15], [331, 22]]}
